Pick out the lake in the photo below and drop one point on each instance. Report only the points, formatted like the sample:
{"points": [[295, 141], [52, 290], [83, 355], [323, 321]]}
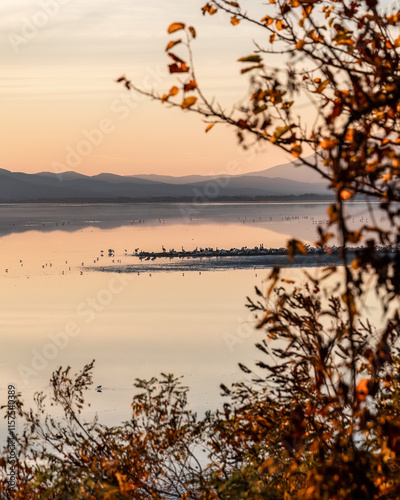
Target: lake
{"points": [[57, 308]]}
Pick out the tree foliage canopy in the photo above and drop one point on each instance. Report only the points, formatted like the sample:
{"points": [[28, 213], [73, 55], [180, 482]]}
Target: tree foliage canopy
{"points": [[321, 418]]}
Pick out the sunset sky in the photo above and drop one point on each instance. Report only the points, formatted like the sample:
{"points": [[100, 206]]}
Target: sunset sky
{"points": [[59, 61]]}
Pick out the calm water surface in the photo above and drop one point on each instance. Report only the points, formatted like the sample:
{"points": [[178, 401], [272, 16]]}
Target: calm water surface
{"points": [[57, 309]]}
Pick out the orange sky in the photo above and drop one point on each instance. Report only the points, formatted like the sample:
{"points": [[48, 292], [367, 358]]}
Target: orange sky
{"points": [[62, 110]]}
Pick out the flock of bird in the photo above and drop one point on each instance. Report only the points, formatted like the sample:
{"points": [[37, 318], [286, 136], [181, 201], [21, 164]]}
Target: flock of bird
{"points": [[203, 252]]}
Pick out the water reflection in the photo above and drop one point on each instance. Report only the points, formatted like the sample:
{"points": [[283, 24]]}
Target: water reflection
{"points": [[54, 312]]}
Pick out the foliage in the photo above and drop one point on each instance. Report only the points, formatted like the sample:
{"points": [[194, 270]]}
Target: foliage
{"points": [[321, 418]]}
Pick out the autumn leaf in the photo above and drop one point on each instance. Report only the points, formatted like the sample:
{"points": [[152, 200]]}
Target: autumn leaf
{"points": [[328, 143], [176, 27], [322, 87], [267, 20], [209, 127], [235, 21], [209, 8], [175, 57], [172, 43], [190, 86], [296, 150], [188, 102], [294, 246], [280, 131], [250, 68], [345, 194], [243, 124], [176, 68], [300, 44], [253, 58], [280, 25], [174, 90], [192, 31], [362, 390]]}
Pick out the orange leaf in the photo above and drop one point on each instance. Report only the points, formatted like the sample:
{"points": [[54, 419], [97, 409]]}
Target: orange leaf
{"points": [[235, 21], [300, 44], [176, 27], [296, 150], [175, 58], [192, 31], [188, 102], [345, 194], [362, 390], [209, 8], [172, 43], [190, 86], [349, 135], [327, 143], [209, 127], [267, 20], [175, 68], [301, 248], [322, 87], [174, 90], [280, 25]]}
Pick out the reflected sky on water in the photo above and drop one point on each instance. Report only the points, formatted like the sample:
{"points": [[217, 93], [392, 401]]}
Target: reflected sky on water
{"points": [[55, 312]]}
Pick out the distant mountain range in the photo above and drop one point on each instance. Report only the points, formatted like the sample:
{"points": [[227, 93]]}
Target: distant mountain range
{"points": [[291, 179]]}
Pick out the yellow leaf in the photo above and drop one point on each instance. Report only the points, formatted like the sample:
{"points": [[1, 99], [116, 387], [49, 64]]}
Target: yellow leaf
{"points": [[176, 27], [279, 131], [188, 102], [209, 127], [322, 87]]}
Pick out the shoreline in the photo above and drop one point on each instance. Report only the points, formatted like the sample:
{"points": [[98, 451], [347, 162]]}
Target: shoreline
{"points": [[204, 264]]}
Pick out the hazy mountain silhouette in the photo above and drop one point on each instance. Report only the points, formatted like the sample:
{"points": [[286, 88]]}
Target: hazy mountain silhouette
{"points": [[282, 180], [294, 171]]}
